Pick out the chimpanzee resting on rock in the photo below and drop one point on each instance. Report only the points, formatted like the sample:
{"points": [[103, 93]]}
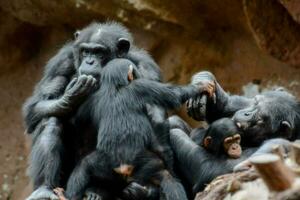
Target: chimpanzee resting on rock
{"points": [[200, 164], [125, 133], [271, 114], [69, 77]]}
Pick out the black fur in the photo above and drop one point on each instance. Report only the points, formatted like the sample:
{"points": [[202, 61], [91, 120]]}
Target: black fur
{"points": [[125, 133], [271, 114], [198, 166], [218, 131], [68, 79]]}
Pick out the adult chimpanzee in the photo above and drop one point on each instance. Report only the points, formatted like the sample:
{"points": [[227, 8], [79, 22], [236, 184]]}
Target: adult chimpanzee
{"points": [[57, 96], [125, 132], [268, 115], [199, 165]]}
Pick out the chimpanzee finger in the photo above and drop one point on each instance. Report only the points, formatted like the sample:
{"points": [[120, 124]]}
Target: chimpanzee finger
{"points": [[210, 89], [193, 109], [71, 84], [202, 106], [214, 97], [90, 196], [95, 84], [189, 107], [98, 197], [89, 83], [196, 110], [80, 86], [82, 79]]}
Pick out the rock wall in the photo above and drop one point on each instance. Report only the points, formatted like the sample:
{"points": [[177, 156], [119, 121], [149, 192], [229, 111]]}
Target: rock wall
{"points": [[227, 37]]}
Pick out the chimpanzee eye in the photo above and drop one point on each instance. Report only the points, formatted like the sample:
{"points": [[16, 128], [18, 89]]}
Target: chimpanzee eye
{"points": [[237, 138], [228, 140], [84, 52]]}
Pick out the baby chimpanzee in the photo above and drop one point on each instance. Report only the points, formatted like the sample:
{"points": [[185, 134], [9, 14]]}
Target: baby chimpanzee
{"points": [[126, 142], [221, 138]]}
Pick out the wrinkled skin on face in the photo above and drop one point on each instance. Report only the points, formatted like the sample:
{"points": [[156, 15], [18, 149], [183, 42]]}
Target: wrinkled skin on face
{"points": [[271, 115], [232, 146], [223, 138]]}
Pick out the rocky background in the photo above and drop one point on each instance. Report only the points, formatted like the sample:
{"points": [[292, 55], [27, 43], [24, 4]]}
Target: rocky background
{"points": [[242, 42]]}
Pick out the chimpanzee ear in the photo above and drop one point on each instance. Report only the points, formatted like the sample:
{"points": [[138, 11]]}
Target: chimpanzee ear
{"points": [[285, 128], [207, 141], [123, 47], [76, 34]]}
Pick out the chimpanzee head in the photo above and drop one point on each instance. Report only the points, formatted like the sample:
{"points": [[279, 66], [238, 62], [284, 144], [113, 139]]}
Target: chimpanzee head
{"points": [[118, 73], [272, 114], [222, 137], [99, 43]]}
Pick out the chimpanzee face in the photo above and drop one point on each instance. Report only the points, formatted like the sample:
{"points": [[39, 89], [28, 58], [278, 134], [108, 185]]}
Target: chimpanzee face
{"points": [[268, 116], [223, 138], [97, 44]]}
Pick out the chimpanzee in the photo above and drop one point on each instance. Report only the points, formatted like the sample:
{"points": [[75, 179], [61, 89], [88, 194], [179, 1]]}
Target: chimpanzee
{"points": [[200, 164], [125, 132], [271, 114], [67, 81], [220, 138]]}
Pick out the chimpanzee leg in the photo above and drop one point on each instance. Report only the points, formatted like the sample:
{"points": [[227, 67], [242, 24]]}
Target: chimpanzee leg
{"points": [[171, 188], [145, 178], [95, 165], [45, 160], [152, 173]]}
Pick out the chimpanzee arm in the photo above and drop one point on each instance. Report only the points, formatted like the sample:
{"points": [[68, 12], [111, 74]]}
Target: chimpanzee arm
{"points": [[165, 95], [188, 155], [218, 106], [197, 135], [50, 97]]}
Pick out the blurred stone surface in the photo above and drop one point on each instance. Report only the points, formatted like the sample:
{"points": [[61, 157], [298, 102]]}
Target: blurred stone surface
{"points": [[239, 41]]}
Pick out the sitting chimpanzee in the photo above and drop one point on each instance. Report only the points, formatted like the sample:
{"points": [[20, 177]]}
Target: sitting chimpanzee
{"points": [[57, 141], [126, 138], [213, 152], [271, 114]]}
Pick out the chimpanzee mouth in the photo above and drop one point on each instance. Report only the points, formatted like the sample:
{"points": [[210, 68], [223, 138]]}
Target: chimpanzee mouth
{"points": [[241, 125]]}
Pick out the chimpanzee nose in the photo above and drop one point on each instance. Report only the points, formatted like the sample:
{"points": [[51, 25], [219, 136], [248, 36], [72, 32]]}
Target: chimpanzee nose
{"points": [[90, 62], [247, 113]]}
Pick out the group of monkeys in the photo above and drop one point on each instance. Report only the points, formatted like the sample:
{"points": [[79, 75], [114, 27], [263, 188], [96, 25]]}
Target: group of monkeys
{"points": [[100, 130]]}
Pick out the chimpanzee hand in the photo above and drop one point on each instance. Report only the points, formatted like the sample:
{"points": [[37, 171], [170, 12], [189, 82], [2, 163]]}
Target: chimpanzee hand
{"points": [[196, 106], [79, 88], [135, 191]]}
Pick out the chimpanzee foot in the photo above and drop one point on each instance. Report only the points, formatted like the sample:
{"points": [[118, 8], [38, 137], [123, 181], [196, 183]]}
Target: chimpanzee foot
{"points": [[60, 193], [92, 196], [43, 193]]}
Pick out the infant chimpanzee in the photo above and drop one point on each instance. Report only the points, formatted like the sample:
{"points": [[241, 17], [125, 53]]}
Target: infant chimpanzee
{"points": [[126, 147], [221, 138]]}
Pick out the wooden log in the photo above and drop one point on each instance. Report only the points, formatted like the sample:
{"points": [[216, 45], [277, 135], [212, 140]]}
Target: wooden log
{"points": [[275, 174], [295, 155], [278, 150]]}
